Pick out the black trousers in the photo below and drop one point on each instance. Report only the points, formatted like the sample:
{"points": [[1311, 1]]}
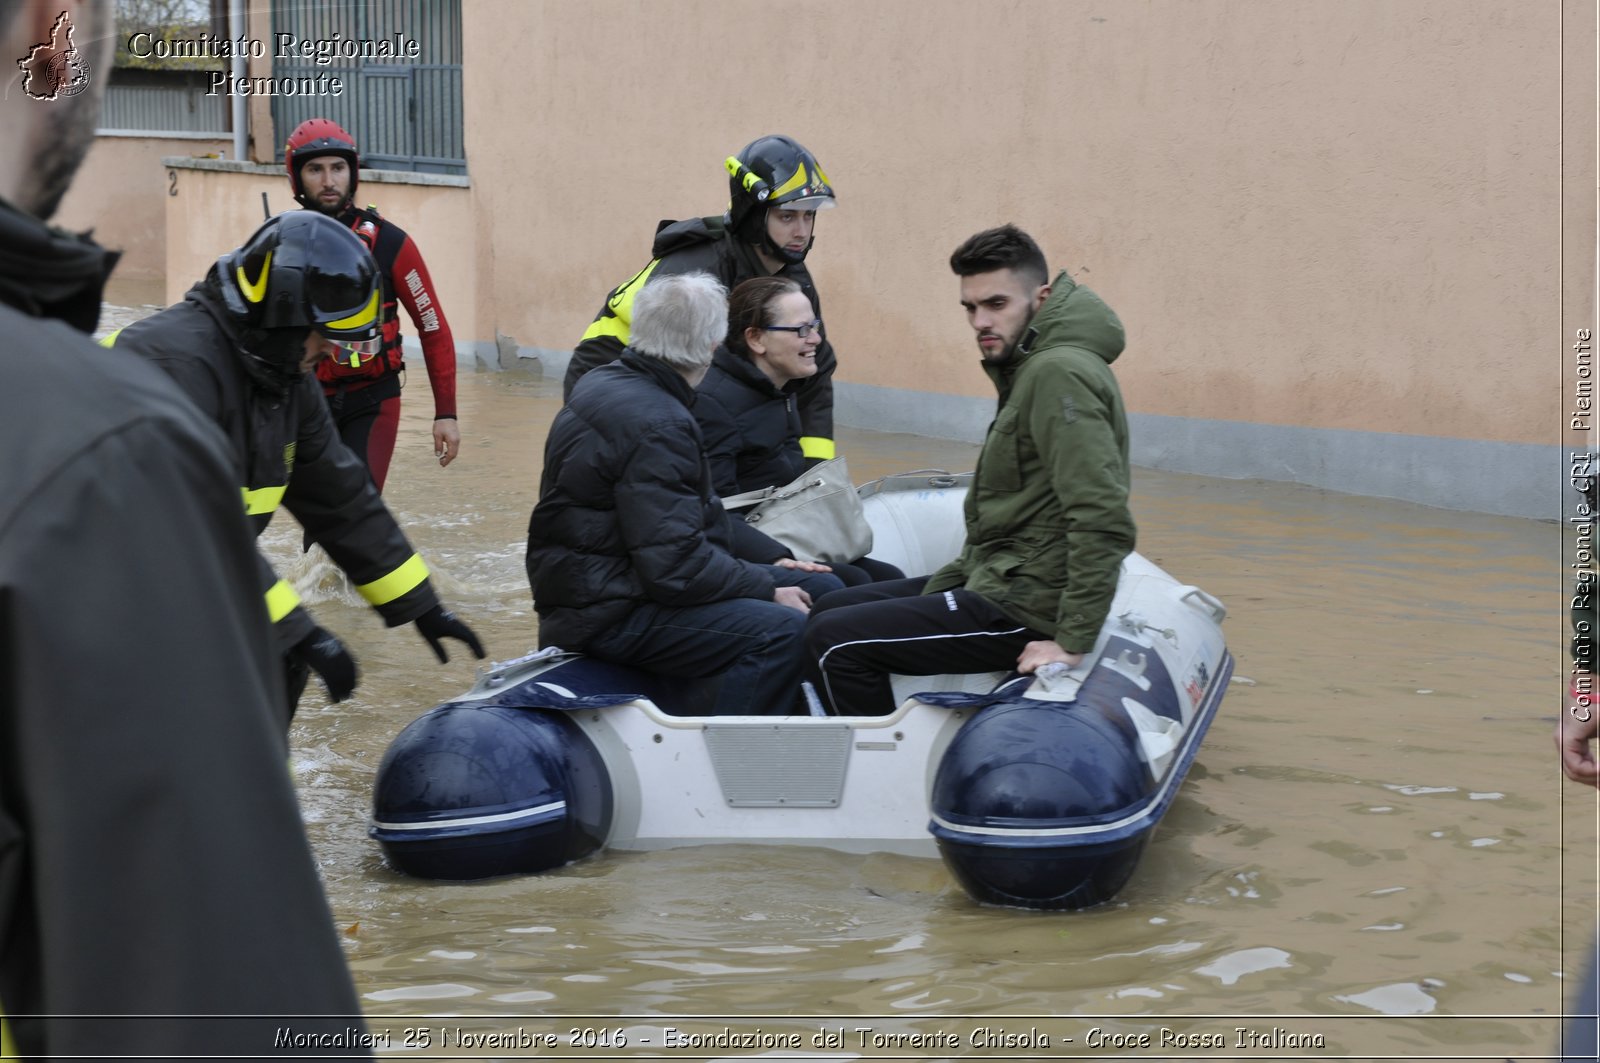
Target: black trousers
{"points": [[855, 637], [865, 570], [753, 645]]}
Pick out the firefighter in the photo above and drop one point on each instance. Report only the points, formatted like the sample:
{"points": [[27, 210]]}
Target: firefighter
{"points": [[243, 345], [775, 190]]}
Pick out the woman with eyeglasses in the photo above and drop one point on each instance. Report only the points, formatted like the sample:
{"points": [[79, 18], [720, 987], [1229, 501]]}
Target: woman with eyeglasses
{"points": [[747, 407]]}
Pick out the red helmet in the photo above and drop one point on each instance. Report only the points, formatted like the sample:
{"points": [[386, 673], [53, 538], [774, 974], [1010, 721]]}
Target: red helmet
{"points": [[319, 136]]}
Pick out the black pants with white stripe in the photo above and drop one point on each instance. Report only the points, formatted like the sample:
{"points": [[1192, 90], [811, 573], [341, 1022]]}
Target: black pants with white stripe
{"points": [[855, 637]]}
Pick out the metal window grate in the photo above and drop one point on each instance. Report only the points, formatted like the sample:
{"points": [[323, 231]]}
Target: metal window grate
{"points": [[405, 114]]}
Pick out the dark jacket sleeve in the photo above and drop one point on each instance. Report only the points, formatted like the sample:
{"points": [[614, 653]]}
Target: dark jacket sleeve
{"points": [[815, 399], [152, 855], [290, 621], [152, 338], [331, 494], [815, 394], [752, 544], [662, 518]]}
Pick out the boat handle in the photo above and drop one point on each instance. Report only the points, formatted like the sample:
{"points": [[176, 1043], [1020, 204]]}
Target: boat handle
{"points": [[1218, 611]]}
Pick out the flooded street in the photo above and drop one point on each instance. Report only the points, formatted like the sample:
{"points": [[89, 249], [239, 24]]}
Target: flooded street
{"points": [[1368, 848]]}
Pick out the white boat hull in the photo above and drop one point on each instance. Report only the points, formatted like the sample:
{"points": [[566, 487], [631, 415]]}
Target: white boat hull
{"points": [[1040, 794]]}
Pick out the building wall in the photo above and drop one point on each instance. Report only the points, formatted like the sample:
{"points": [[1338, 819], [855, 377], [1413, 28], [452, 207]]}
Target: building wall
{"points": [[219, 204], [1350, 241], [120, 193], [1333, 230]]}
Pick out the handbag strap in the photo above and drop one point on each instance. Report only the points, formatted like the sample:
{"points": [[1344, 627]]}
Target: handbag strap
{"points": [[772, 494], [747, 498]]}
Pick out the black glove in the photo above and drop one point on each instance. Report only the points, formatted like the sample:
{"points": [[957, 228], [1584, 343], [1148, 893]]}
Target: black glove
{"points": [[325, 655], [440, 623]]}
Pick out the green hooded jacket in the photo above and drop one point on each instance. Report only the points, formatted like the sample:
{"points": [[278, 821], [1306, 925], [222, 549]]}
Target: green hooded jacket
{"points": [[1047, 517]]}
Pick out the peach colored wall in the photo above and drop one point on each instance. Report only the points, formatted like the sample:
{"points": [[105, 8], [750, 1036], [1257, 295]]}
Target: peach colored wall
{"points": [[119, 192], [1580, 30], [217, 209], [1335, 215]]}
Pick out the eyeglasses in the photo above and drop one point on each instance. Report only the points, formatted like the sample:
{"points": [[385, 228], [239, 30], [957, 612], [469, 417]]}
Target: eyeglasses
{"points": [[802, 331]]}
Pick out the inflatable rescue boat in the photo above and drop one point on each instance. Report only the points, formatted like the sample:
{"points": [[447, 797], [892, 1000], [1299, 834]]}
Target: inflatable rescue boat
{"points": [[1038, 792]]}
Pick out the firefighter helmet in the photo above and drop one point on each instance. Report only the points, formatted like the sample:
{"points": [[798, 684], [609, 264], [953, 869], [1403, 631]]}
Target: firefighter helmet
{"points": [[773, 171], [302, 271]]}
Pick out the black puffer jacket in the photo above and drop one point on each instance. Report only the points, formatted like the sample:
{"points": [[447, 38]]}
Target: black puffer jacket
{"points": [[626, 514], [704, 244], [751, 427]]}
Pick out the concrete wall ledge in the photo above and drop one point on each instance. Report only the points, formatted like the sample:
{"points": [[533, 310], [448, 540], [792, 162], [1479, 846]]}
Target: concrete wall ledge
{"points": [[382, 177]]}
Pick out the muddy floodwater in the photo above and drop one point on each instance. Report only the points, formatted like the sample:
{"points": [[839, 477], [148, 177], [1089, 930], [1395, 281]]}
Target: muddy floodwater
{"points": [[1374, 855]]}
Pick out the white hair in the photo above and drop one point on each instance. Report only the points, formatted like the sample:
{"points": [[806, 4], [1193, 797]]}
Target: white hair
{"points": [[680, 319]]}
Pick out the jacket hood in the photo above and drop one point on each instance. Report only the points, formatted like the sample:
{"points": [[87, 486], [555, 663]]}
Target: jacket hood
{"points": [[676, 235], [1074, 316], [48, 272]]}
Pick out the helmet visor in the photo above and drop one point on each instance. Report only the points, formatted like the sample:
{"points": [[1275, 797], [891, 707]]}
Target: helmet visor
{"points": [[807, 203]]}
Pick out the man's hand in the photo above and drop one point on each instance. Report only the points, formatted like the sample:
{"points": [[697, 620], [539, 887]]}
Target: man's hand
{"points": [[446, 440], [801, 566], [1037, 654], [793, 597], [438, 624], [323, 653], [1573, 735]]}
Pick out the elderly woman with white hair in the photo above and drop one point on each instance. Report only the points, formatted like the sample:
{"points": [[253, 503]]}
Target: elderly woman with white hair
{"points": [[630, 553]]}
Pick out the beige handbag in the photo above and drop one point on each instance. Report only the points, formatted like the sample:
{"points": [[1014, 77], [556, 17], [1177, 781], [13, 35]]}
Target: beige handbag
{"points": [[818, 516]]}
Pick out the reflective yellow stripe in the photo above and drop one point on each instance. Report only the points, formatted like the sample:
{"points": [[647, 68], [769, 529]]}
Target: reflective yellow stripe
{"points": [[401, 581], [8, 1046], [619, 323], [263, 499], [608, 326], [110, 340], [281, 600], [795, 180], [257, 291], [358, 320], [817, 447]]}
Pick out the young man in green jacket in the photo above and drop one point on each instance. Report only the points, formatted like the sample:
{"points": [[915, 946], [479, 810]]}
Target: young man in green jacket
{"points": [[1047, 516]]}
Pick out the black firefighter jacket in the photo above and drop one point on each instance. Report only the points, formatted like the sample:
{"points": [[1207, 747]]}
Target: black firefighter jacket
{"points": [[287, 451], [626, 514], [703, 244]]}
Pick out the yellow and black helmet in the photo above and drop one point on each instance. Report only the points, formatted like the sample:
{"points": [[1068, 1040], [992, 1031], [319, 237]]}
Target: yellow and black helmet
{"points": [[773, 171], [303, 270]]}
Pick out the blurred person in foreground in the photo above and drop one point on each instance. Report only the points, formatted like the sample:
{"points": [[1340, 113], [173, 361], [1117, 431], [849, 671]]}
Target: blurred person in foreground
{"points": [[155, 879], [630, 551]]}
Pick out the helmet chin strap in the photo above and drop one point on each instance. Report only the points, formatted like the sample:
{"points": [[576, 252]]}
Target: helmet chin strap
{"points": [[783, 254]]}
